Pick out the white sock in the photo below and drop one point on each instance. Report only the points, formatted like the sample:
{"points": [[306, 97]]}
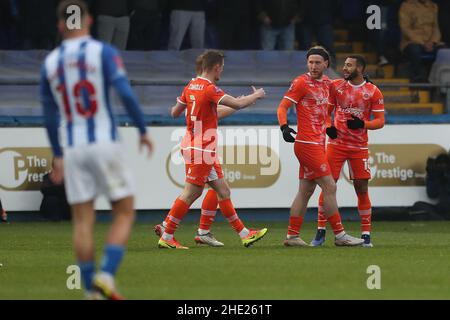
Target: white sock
{"points": [[164, 224], [167, 236], [290, 236], [244, 232], [202, 232], [340, 235], [321, 228]]}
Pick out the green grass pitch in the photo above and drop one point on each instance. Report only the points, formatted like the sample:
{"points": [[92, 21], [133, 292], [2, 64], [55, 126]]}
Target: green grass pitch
{"points": [[414, 258]]}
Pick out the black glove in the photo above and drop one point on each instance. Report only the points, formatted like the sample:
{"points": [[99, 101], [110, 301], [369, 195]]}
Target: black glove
{"points": [[355, 124], [332, 132], [287, 133]]}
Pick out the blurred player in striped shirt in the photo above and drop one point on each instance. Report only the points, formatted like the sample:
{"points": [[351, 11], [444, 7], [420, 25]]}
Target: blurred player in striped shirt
{"points": [[75, 82]]}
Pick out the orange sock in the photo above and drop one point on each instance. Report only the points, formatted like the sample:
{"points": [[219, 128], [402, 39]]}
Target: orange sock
{"points": [[295, 224], [176, 214], [227, 208], [166, 220], [365, 212], [336, 223], [209, 209], [321, 217]]}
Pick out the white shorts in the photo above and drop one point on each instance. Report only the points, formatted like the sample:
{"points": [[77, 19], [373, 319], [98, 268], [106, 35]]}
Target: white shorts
{"points": [[96, 169]]}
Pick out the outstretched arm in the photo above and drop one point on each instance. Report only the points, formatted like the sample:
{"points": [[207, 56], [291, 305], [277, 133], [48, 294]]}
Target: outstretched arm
{"points": [[224, 111], [244, 101]]}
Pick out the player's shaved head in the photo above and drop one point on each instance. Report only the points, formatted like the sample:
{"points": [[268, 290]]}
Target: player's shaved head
{"points": [[211, 58]]}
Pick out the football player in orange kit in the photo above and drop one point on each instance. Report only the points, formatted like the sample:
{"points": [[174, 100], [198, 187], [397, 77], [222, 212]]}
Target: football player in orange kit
{"points": [[200, 98], [310, 92], [210, 201], [353, 100]]}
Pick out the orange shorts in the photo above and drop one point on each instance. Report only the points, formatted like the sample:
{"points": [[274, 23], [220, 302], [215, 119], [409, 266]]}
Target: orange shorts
{"points": [[202, 173], [313, 161], [357, 159]]}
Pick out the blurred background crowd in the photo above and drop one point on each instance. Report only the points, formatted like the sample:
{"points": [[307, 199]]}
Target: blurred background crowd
{"points": [[411, 30]]}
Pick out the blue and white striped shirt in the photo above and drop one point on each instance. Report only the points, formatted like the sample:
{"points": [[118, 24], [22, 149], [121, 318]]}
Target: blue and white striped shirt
{"points": [[75, 82]]}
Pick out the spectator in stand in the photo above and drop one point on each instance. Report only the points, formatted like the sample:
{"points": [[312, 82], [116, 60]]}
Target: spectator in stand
{"points": [[211, 16], [37, 21], [145, 24], [444, 20], [233, 24], [420, 33], [8, 24], [278, 19], [187, 15], [317, 20], [113, 21], [379, 36]]}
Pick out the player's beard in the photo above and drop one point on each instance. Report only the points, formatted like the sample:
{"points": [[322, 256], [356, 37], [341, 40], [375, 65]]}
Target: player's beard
{"points": [[352, 75], [319, 75]]}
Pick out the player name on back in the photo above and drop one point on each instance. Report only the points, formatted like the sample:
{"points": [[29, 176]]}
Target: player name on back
{"points": [[196, 87]]}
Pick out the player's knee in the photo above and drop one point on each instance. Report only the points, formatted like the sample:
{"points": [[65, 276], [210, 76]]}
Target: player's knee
{"points": [[195, 195], [330, 189], [361, 186], [191, 196], [308, 193], [224, 193]]}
